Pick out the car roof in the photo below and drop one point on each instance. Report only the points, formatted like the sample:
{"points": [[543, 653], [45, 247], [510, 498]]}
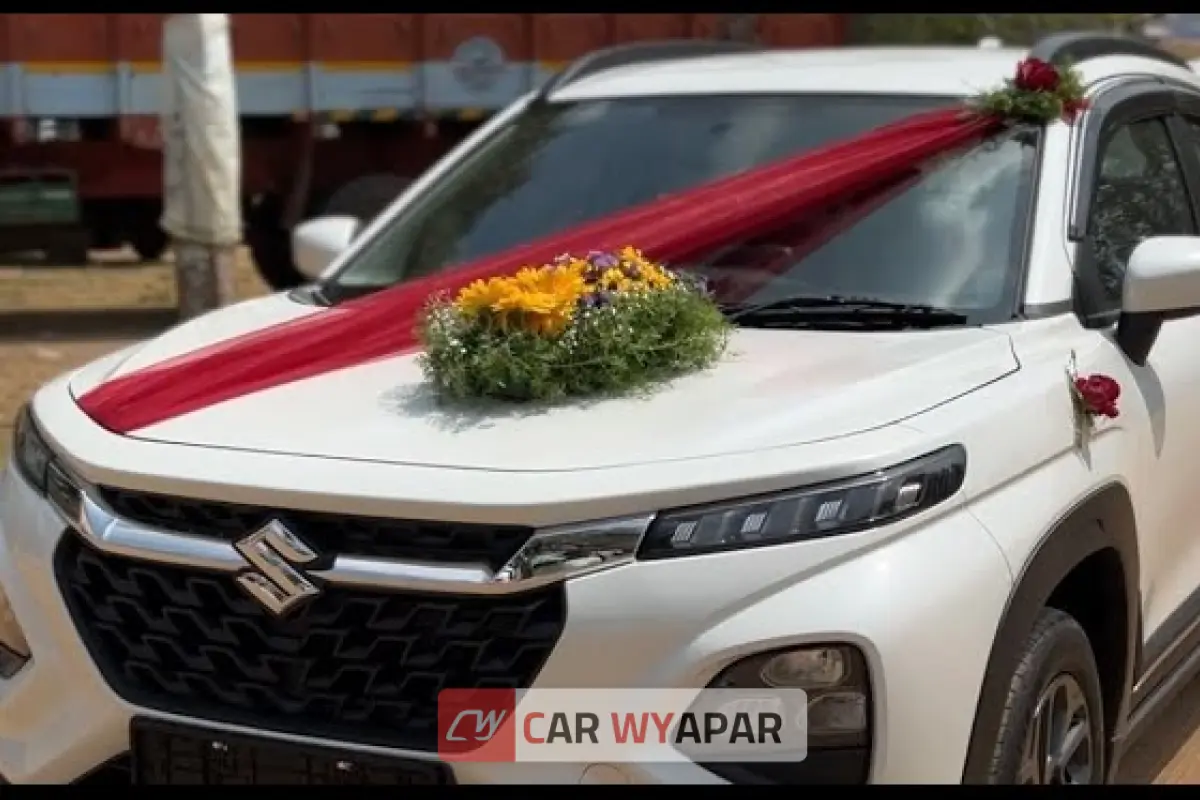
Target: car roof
{"points": [[927, 71]]}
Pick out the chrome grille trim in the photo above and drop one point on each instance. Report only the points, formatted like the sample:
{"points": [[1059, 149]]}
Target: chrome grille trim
{"points": [[615, 543]]}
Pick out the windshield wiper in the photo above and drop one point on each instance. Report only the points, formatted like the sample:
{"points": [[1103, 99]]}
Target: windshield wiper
{"points": [[334, 294], [840, 311]]}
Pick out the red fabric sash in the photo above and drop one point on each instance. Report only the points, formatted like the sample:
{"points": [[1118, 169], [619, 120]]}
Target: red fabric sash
{"points": [[673, 229]]}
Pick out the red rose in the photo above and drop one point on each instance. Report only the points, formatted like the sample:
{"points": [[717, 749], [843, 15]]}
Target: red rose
{"points": [[1099, 394], [1035, 75]]}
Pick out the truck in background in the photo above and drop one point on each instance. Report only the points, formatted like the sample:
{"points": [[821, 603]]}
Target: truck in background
{"points": [[338, 111]]}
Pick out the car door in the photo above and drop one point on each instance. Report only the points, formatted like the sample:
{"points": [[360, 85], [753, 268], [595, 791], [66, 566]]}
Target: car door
{"points": [[1142, 181]]}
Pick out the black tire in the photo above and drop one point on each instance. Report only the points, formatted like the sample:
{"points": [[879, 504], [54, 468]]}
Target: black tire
{"points": [[271, 249], [1056, 681], [69, 248], [105, 238], [365, 197], [148, 241], [271, 245]]}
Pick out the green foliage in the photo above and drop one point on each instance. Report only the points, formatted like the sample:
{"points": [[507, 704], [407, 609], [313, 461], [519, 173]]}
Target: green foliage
{"points": [[1013, 103], [635, 340]]}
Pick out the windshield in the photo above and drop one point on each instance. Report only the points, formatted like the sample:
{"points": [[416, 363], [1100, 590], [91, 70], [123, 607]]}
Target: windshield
{"points": [[947, 236]]}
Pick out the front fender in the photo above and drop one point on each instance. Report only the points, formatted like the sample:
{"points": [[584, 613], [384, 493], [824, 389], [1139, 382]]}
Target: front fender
{"points": [[1102, 521]]}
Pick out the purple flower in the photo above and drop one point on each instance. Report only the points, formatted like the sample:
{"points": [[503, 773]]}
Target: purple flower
{"points": [[595, 300], [602, 260]]}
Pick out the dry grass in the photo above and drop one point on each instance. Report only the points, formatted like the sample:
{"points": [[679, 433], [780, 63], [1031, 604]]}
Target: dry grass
{"points": [[109, 284], [26, 365]]}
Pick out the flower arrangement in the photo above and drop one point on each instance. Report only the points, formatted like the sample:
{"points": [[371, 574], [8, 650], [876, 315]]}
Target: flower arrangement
{"points": [[1039, 92], [1093, 396], [601, 324]]}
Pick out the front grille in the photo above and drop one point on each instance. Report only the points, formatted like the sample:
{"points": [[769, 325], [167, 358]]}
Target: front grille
{"points": [[354, 664], [379, 537]]}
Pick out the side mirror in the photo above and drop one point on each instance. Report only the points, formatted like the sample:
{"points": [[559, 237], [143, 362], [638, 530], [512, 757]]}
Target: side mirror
{"points": [[316, 243], [1162, 282]]}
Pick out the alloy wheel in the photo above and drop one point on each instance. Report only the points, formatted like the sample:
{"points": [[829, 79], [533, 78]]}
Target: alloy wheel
{"points": [[1058, 744]]}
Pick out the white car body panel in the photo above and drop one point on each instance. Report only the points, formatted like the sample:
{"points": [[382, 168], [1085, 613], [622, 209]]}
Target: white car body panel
{"points": [[702, 616], [745, 404], [421, 492]]}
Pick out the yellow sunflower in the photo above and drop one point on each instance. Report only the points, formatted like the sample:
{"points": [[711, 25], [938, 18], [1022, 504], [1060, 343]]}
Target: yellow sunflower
{"points": [[481, 296], [650, 272], [544, 299]]}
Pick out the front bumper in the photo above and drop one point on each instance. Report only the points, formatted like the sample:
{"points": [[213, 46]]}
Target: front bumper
{"points": [[923, 606]]}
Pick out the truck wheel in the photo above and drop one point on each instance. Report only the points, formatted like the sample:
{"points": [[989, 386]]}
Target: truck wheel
{"points": [[272, 254], [270, 245], [104, 238], [365, 197], [148, 241], [1052, 730], [69, 248]]}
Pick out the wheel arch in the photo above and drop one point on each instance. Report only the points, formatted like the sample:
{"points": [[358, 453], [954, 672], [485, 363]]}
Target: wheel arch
{"points": [[1098, 534]]}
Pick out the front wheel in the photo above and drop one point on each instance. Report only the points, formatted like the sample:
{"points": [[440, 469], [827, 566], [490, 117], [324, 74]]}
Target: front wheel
{"points": [[1052, 730]]}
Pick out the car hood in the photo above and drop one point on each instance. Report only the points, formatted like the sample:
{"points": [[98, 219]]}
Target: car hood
{"points": [[772, 389]]}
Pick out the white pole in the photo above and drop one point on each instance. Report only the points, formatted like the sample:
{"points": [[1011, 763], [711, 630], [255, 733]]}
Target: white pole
{"points": [[201, 159]]}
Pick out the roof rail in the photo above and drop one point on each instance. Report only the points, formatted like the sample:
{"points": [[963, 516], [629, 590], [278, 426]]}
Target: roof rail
{"points": [[1082, 45], [638, 53]]}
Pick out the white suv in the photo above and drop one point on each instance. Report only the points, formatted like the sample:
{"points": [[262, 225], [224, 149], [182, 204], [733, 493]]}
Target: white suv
{"points": [[1017, 618]]}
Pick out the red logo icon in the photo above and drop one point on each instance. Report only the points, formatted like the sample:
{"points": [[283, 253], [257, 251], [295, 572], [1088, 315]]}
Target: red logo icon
{"points": [[477, 725]]}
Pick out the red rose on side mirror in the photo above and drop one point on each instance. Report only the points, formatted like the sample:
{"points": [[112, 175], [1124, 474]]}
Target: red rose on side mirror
{"points": [[1035, 75]]}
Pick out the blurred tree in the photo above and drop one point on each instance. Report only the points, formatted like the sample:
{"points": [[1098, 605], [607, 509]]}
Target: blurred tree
{"points": [[1015, 29]]}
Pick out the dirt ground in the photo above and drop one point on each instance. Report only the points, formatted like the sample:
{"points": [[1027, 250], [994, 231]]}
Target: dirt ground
{"points": [[53, 319]]}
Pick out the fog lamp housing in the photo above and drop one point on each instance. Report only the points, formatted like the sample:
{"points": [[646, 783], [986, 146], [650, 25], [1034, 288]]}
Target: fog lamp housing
{"points": [[837, 681]]}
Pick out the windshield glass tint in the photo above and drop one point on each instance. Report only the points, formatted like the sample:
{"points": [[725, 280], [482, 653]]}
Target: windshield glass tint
{"points": [[944, 237]]}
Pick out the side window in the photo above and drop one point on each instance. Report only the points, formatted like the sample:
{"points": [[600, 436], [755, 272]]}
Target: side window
{"points": [[1194, 139], [1140, 193]]}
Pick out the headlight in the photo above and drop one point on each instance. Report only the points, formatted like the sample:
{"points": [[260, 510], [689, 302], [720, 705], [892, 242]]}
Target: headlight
{"points": [[30, 453], [811, 512], [36, 463]]}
